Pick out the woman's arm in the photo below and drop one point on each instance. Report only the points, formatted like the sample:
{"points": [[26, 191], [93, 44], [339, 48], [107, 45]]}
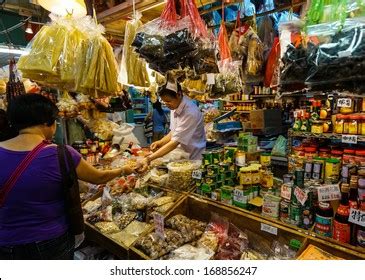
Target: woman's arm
{"points": [[88, 173]]}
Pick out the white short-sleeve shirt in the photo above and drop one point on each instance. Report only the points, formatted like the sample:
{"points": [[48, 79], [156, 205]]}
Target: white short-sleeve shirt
{"points": [[187, 128]]}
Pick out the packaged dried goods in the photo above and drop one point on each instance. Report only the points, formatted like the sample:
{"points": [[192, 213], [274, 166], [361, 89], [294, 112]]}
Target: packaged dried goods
{"points": [[107, 227], [191, 229], [131, 233], [137, 201], [164, 208], [124, 219], [189, 252], [209, 240], [219, 226], [106, 198], [180, 174], [161, 201], [92, 206]]}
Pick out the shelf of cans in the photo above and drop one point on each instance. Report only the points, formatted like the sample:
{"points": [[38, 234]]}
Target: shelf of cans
{"points": [[293, 203]]}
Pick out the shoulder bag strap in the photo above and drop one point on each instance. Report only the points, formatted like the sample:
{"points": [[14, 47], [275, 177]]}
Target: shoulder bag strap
{"points": [[10, 183]]}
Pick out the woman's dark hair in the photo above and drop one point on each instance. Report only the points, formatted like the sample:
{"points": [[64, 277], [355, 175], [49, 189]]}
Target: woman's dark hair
{"points": [[6, 132], [164, 91], [158, 106], [31, 109]]}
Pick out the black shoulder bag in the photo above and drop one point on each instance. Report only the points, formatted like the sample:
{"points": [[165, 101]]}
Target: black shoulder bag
{"points": [[71, 191]]}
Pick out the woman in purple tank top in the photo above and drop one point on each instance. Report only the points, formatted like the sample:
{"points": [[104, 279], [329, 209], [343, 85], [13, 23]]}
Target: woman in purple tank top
{"points": [[33, 218]]}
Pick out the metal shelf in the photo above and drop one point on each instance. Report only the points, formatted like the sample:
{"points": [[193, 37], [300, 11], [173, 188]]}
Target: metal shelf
{"points": [[330, 136], [240, 101], [238, 112]]}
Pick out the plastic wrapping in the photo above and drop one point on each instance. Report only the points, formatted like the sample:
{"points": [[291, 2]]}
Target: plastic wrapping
{"points": [[266, 33], [106, 198], [190, 229], [219, 226], [189, 252], [132, 69], [340, 56], [224, 50], [92, 206], [107, 227], [280, 147], [228, 80], [180, 174], [233, 246]]}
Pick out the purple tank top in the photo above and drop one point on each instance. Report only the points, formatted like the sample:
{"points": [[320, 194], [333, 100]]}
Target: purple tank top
{"points": [[34, 208]]}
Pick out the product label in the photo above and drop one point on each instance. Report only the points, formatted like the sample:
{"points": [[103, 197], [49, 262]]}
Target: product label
{"points": [[238, 196], [210, 79], [241, 160], [269, 229], [361, 237], [323, 226], [349, 139], [214, 196], [329, 192], [197, 174], [357, 217], [300, 195], [159, 222], [344, 102], [341, 232]]}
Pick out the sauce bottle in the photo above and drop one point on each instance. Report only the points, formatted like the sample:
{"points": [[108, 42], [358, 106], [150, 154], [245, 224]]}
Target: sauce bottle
{"points": [[341, 225], [353, 204], [324, 219], [361, 229]]}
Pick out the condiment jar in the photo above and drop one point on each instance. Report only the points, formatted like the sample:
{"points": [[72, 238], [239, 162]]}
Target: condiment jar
{"points": [[317, 127], [346, 121], [332, 170], [360, 156], [348, 156], [339, 124], [310, 152], [337, 154], [245, 176], [324, 152], [362, 127], [353, 124], [299, 151]]}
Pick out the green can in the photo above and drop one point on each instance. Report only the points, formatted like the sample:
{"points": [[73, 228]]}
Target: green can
{"points": [[229, 154], [295, 213], [211, 179], [206, 190], [239, 198], [221, 177], [227, 195], [224, 167], [229, 182], [207, 158], [217, 156], [219, 184], [199, 190], [229, 174], [255, 191], [212, 170]]}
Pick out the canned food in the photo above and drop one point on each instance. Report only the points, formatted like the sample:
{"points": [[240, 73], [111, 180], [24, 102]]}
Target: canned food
{"points": [[217, 154], [212, 170], [240, 198], [207, 158], [255, 191], [287, 178], [216, 195], [227, 195], [308, 169], [221, 177], [271, 206], [284, 211], [229, 174], [295, 213], [206, 189], [299, 177], [224, 167], [219, 184], [229, 182], [211, 179], [229, 154]]}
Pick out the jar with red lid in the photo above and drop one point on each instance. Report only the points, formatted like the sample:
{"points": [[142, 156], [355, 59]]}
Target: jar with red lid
{"points": [[348, 156], [310, 152], [299, 151], [360, 156], [324, 152], [337, 154]]}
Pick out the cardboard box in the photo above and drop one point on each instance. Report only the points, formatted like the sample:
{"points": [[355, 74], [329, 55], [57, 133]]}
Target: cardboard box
{"points": [[263, 118]]}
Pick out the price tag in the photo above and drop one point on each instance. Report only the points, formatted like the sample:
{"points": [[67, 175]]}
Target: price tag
{"points": [[159, 221], [285, 192], [357, 217], [210, 79], [344, 102], [300, 195], [329, 192], [197, 174], [349, 139], [269, 229]]}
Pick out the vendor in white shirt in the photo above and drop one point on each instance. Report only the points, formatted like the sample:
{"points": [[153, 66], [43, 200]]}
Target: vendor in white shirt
{"points": [[187, 126]]}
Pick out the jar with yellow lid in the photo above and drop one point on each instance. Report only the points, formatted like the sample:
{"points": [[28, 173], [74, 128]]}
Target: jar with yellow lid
{"points": [[256, 175], [245, 176], [317, 127]]}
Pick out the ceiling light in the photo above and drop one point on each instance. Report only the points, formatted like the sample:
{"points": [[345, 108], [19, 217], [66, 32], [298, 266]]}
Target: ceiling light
{"points": [[13, 51], [29, 29], [63, 7]]}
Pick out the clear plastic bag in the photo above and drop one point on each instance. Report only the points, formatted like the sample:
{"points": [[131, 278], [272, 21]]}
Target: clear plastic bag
{"points": [[228, 80], [180, 174], [189, 252], [280, 147], [219, 226], [340, 55], [106, 198]]}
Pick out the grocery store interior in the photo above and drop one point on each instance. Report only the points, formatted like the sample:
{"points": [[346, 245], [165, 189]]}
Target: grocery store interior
{"points": [[197, 129]]}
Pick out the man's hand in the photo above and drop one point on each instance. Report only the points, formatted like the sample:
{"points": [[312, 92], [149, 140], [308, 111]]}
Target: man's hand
{"points": [[127, 170], [142, 166], [155, 146]]}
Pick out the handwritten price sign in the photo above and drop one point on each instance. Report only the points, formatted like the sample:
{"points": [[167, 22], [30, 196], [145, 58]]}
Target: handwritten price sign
{"points": [[285, 192], [300, 195], [344, 102], [349, 139], [357, 217], [329, 192], [159, 221]]}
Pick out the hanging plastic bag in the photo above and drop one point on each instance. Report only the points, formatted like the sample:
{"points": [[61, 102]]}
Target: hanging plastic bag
{"points": [[133, 70], [266, 33], [272, 65], [224, 50], [249, 8], [280, 147]]}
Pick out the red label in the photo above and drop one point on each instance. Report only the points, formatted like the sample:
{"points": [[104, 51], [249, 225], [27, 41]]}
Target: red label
{"points": [[343, 210], [353, 204], [341, 232]]}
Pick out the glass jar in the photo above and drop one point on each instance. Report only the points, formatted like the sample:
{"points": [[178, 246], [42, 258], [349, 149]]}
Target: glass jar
{"points": [[353, 124], [360, 156], [324, 152], [348, 156], [245, 176], [339, 124], [317, 127], [256, 175], [310, 152], [299, 151], [362, 126], [346, 121], [348, 110], [337, 154]]}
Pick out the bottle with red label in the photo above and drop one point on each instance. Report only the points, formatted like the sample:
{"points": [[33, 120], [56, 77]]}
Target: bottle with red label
{"points": [[341, 225], [354, 205], [361, 229], [324, 219]]}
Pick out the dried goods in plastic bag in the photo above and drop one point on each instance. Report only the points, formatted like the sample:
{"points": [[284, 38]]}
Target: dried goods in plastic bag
{"points": [[107, 227], [189, 252]]}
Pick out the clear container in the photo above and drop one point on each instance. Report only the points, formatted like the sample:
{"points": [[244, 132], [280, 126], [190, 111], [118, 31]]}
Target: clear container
{"points": [[339, 124], [317, 127], [346, 122], [354, 121]]}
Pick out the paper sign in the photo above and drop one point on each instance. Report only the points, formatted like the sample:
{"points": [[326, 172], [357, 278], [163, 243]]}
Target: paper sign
{"points": [[269, 229], [210, 79], [357, 217], [329, 192], [285, 192], [349, 139], [172, 86], [344, 102], [197, 174], [300, 195], [159, 221]]}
